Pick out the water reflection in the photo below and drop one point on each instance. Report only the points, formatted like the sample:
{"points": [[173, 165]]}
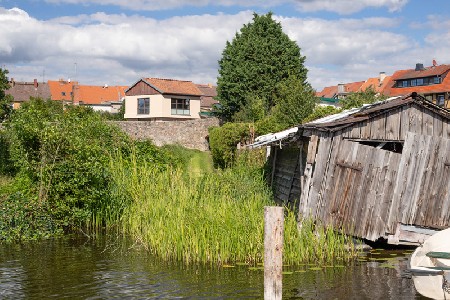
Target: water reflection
{"points": [[76, 268]]}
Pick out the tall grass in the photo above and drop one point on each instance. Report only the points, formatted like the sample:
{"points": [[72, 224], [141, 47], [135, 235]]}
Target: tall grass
{"points": [[216, 218]]}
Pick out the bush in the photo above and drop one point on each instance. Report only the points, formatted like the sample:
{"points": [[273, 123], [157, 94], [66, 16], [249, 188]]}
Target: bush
{"points": [[63, 159], [223, 141]]}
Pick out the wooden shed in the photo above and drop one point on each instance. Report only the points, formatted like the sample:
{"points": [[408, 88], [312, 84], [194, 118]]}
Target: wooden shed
{"points": [[380, 171]]}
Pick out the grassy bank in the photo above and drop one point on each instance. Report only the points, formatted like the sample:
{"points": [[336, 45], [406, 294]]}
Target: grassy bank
{"points": [[215, 218]]}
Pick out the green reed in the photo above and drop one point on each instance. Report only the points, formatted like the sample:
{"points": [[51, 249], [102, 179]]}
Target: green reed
{"points": [[215, 218]]}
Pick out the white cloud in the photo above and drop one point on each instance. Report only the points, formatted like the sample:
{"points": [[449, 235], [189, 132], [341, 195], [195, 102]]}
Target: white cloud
{"points": [[339, 6], [119, 49], [348, 6]]}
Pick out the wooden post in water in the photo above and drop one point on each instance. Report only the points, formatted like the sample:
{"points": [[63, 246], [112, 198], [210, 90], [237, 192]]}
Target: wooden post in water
{"points": [[273, 252]]}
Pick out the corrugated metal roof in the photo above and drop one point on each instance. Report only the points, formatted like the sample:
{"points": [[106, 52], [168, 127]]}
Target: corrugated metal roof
{"points": [[273, 137]]}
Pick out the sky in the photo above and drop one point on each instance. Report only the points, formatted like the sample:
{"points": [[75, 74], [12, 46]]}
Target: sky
{"points": [[117, 42]]}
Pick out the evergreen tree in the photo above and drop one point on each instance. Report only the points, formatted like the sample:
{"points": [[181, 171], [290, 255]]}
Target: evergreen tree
{"points": [[5, 100], [257, 59]]}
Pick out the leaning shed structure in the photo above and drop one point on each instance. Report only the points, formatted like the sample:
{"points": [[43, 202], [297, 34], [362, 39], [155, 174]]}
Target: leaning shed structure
{"points": [[380, 171]]}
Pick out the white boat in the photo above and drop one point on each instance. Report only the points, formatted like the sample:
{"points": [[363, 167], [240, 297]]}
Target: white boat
{"points": [[430, 266]]}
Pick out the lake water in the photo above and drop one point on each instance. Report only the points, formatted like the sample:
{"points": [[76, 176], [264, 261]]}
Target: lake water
{"points": [[106, 268]]}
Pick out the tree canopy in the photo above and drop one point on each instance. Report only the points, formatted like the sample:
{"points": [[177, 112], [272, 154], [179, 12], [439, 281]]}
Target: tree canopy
{"points": [[5, 100], [359, 98], [258, 58]]}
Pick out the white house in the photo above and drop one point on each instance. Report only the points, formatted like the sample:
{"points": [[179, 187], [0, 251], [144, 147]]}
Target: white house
{"points": [[155, 99]]}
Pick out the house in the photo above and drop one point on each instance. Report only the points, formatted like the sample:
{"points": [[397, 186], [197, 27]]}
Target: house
{"points": [[157, 99], [22, 91], [379, 171], [431, 82], [340, 91], [207, 100], [62, 90], [100, 98]]}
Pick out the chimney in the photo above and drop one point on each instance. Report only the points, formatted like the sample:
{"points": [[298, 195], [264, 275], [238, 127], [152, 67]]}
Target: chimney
{"points": [[419, 67], [35, 83], [341, 88], [382, 77], [13, 83]]}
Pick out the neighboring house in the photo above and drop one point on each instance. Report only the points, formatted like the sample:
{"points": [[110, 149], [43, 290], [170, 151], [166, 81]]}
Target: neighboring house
{"points": [[22, 91], [378, 171], [156, 99], [207, 100], [430, 82], [340, 91], [62, 90], [100, 98]]}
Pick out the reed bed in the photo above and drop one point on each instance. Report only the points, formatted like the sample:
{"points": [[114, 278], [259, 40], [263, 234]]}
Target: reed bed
{"points": [[216, 218]]}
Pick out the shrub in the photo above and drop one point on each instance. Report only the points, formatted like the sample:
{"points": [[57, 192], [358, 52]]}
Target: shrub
{"points": [[223, 141]]}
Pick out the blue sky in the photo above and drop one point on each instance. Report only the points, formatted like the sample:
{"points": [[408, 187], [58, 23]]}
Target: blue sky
{"points": [[116, 42]]}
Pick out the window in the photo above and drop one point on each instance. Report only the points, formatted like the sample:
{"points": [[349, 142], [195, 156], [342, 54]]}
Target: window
{"points": [[440, 99], [437, 80], [419, 81], [143, 106], [180, 106], [413, 82], [63, 93], [405, 83]]}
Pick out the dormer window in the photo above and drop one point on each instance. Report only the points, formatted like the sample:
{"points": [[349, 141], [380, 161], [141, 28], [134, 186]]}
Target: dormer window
{"points": [[63, 93], [418, 81]]}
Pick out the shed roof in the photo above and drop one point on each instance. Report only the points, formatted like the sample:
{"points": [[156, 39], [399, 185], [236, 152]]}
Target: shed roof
{"points": [[348, 117]]}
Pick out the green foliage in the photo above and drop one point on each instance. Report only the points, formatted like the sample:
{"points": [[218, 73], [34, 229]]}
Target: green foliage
{"points": [[217, 218], [259, 57], [63, 158], [294, 100], [359, 98], [223, 141], [22, 219], [5, 100], [322, 111], [254, 110], [6, 165]]}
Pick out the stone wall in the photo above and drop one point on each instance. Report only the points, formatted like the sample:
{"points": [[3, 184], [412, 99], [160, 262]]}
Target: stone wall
{"points": [[190, 134]]}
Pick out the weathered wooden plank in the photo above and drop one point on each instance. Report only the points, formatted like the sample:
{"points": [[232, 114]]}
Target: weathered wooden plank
{"points": [[446, 129], [365, 130], [404, 122], [273, 252], [322, 162], [312, 149], [427, 123], [415, 119], [438, 126], [378, 128], [393, 125]]}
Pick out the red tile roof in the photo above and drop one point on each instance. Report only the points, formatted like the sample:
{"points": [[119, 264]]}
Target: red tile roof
{"points": [[331, 91], [90, 94], [388, 88], [426, 72], [209, 93], [391, 90], [175, 87], [61, 89]]}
